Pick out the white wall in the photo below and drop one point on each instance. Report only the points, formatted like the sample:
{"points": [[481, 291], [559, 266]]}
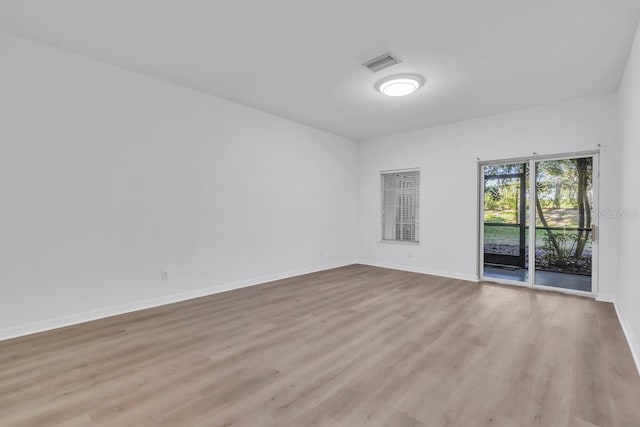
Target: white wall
{"points": [[108, 176], [447, 157], [628, 300]]}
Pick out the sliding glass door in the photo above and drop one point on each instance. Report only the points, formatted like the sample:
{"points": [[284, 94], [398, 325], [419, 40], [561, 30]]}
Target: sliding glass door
{"points": [[556, 195], [564, 223], [506, 245]]}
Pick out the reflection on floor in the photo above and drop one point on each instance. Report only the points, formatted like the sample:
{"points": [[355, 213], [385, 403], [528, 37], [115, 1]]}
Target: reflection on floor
{"points": [[545, 278]]}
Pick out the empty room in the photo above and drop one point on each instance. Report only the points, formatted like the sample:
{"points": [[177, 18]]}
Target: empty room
{"points": [[330, 213]]}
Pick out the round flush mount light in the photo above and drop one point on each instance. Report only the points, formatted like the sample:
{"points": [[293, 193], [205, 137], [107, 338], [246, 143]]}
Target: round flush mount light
{"points": [[400, 84]]}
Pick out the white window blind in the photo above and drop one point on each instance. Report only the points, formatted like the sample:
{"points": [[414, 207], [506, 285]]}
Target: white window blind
{"points": [[400, 205]]}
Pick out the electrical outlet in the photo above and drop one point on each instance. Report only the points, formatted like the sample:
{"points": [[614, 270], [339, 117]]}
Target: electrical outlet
{"points": [[410, 254], [165, 274], [321, 252]]}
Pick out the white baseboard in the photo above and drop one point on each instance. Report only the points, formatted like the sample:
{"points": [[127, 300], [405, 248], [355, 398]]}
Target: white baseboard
{"points": [[606, 298], [413, 269], [59, 322], [634, 346]]}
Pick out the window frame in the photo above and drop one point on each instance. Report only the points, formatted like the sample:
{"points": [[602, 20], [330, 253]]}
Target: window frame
{"points": [[416, 222]]}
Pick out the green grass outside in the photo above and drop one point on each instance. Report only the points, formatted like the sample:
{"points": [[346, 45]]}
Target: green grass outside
{"points": [[555, 217], [511, 235], [508, 236]]}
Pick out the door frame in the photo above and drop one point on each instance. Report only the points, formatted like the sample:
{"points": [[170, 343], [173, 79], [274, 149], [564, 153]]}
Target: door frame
{"points": [[595, 221]]}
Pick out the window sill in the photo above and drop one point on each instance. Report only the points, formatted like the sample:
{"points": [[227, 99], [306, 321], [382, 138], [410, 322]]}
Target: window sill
{"points": [[400, 242]]}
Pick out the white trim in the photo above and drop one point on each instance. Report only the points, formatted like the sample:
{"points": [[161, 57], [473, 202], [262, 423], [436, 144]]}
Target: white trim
{"points": [[501, 281], [400, 242], [480, 223], [536, 156], [416, 169], [382, 207], [606, 298], [564, 290], [595, 223], [533, 212], [634, 346], [74, 319], [412, 269]]}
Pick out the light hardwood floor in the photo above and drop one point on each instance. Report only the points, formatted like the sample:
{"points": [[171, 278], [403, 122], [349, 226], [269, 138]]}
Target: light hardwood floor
{"points": [[354, 346]]}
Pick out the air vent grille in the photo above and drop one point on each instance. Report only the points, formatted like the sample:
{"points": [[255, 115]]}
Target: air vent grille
{"points": [[381, 62]]}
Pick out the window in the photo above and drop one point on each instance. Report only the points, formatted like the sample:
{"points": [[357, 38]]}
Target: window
{"points": [[400, 205]]}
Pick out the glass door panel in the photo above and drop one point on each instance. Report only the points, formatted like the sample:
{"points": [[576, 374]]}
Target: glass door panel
{"points": [[505, 235], [564, 223]]}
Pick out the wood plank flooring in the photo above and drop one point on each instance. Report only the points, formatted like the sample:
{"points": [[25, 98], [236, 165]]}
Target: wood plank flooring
{"points": [[354, 346]]}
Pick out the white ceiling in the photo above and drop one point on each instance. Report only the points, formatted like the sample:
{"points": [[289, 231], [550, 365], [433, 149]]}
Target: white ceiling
{"points": [[301, 58]]}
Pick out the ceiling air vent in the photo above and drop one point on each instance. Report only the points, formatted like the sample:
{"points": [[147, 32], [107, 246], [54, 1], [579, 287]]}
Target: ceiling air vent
{"points": [[381, 62]]}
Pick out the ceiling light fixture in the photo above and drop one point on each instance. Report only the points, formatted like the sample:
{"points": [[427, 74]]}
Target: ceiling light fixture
{"points": [[400, 85]]}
